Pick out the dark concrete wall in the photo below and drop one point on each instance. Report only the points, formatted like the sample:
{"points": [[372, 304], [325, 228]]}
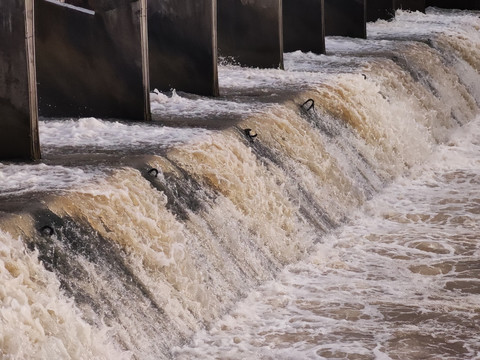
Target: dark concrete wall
{"points": [[304, 26], [93, 64], [412, 5], [183, 45], [346, 18], [97, 5], [251, 32], [18, 96], [455, 4], [81, 3], [380, 9]]}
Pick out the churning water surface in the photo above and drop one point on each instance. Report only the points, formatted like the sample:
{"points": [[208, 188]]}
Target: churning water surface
{"points": [[401, 282], [349, 230]]}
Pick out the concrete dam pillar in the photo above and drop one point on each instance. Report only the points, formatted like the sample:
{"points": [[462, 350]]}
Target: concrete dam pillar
{"points": [[346, 18], [79, 3], [93, 61], [412, 5], [18, 92], [183, 45], [455, 4], [380, 9], [251, 32], [304, 26]]}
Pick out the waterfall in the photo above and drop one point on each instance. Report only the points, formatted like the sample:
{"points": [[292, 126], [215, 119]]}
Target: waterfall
{"points": [[113, 261]]}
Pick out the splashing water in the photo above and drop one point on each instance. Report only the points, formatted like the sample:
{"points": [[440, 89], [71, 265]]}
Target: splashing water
{"points": [[350, 229], [400, 282]]}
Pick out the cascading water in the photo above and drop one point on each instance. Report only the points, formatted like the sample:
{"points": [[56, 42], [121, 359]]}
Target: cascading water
{"points": [[350, 229]]}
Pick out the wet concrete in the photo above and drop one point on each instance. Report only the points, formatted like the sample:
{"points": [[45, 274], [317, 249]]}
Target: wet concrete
{"points": [[18, 97], [304, 26], [455, 4], [250, 32], [182, 46], [92, 63], [346, 18], [380, 9], [412, 5]]}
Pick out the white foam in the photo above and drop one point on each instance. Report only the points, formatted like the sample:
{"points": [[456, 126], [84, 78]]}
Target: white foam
{"points": [[21, 179], [240, 80], [191, 107], [37, 320], [420, 25], [92, 132], [377, 287], [460, 151]]}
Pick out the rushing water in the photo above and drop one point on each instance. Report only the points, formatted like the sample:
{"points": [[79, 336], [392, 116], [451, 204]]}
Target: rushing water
{"points": [[401, 282], [345, 231]]}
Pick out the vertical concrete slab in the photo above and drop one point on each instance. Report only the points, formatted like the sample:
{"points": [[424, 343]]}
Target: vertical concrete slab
{"points": [[251, 32], [412, 5], [183, 45], [380, 9], [304, 26], [455, 4], [346, 18], [18, 93], [93, 62], [80, 3]]}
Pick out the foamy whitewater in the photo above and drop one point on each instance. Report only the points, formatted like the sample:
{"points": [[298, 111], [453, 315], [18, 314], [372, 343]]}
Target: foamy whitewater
{"points": [[401, 282], [348, 230]]}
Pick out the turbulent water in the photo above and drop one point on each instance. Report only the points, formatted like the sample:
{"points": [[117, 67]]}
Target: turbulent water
{"points": [[401, 282], [346, 230]]}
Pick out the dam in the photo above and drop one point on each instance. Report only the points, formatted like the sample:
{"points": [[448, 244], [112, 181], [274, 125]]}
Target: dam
{"points": [[327, 210]]}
